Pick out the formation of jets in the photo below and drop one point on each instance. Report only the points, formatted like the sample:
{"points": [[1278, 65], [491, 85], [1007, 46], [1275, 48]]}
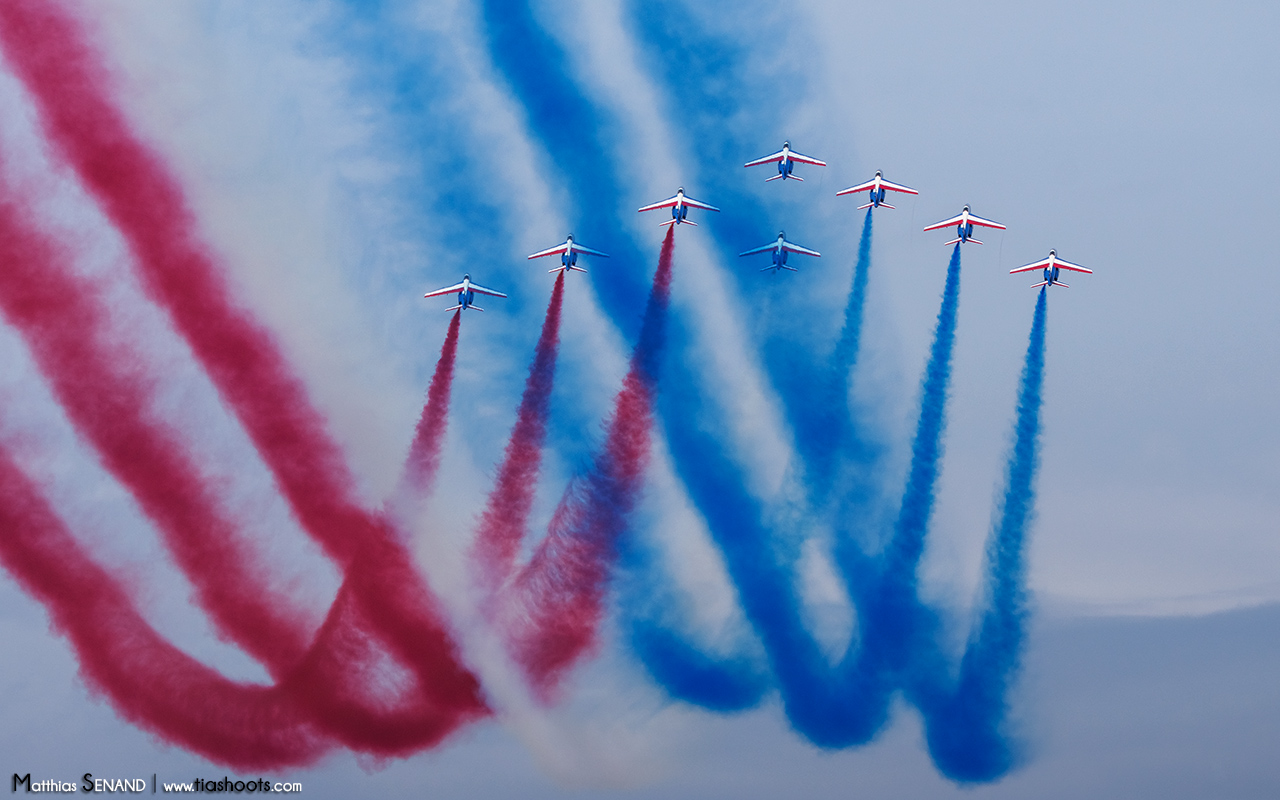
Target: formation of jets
{"points": [[786, 159]]}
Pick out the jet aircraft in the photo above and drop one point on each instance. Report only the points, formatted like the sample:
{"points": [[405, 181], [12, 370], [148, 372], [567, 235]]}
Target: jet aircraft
{"points": [[679, 205], [877, 185], [466, 294], [568, 252], [1051, 265], [964, 223], [786, 158], [779, 250]]}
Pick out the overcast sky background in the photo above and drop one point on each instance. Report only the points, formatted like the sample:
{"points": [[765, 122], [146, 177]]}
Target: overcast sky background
{"points": [[1137, 142]]}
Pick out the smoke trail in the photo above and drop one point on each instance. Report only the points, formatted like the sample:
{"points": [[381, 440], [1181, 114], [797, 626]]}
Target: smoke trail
{"points": [[144, 201], [967, 728], [424, 454], [94, 377], [893, 625], [847, 704], [150, 682], [95, 381], [555, 604], [825, 433], [506, 516]]}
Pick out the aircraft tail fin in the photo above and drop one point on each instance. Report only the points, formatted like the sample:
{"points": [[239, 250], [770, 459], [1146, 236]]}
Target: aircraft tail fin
{"points": [[455, 308], [965, 241], [777, 177], [577, 269], [796, 178], [1038, 285], [865, 205], [883, 204], [1060, 283], [673, 222]]}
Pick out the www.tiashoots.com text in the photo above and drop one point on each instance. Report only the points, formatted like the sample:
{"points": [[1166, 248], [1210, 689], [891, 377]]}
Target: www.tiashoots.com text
{"points": [[88, 783]]}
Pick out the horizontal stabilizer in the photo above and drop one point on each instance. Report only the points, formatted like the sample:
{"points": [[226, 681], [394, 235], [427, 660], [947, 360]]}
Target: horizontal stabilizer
{"points": [[673, 222], [886, 205], [865, 205], [777, 177], [970, 239], [454, 308], [1038, 285], [1060, 283]]}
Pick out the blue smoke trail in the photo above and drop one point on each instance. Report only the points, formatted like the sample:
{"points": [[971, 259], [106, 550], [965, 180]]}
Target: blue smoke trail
{"points": [[826, 432], [849, 704], [966, 728], [892, 623]]}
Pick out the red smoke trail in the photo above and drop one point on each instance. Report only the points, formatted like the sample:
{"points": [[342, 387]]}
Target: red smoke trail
{"points": [[506, 516], [94, 377], [71, 90], [555, 605], [152, 683], [424, 453], [91, 374]]}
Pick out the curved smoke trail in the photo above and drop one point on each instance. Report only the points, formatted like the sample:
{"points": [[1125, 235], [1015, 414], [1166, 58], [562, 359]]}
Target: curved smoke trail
{"points": [[966, 725], [95, 378], [152, 683], [138, 194]]}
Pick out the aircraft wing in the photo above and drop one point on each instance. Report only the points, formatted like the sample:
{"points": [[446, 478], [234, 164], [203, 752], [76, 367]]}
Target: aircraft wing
{"points": [[457, 287], [862, 187], [986, 223], [475, 287], [763, 249], [589, 251], [1073, 267], [699, 204], [767, 159], [668, 203], [795, 248], [551, 251], [807, 159], [897, 187], [1041, 264], [946, 223]]}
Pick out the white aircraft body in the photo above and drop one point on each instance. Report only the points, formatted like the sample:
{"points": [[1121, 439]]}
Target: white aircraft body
{"points": [[779, 250], [964, 223], [1051, 265], [568, 252], [786, 158], [877, 186], [466, 294], [679, 205]]}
